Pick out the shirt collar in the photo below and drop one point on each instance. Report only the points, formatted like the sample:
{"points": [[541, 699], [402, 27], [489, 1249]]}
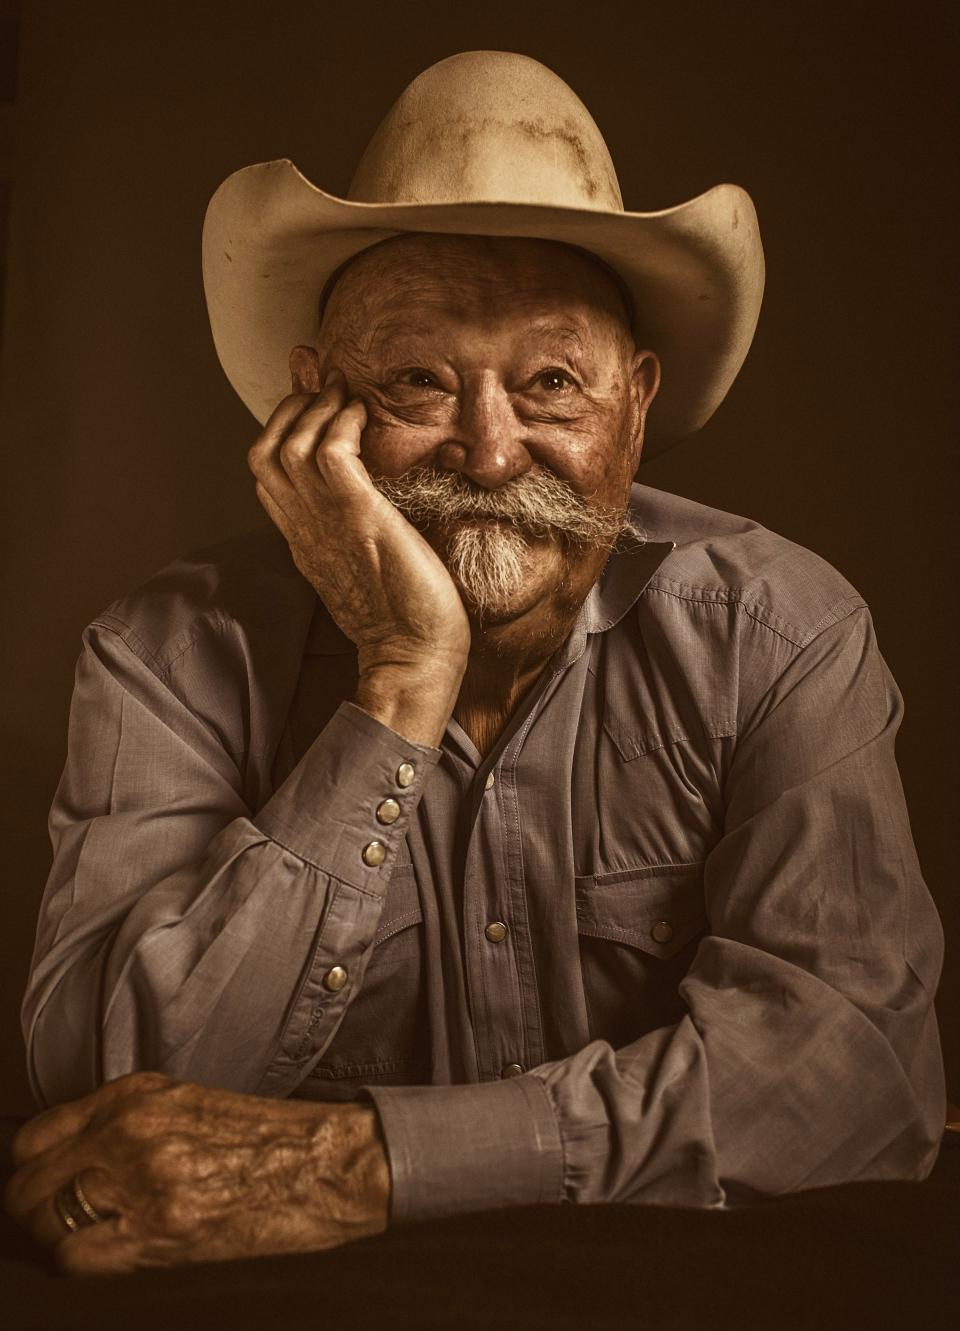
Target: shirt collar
{"points": [[617, 590], [627, 572]]}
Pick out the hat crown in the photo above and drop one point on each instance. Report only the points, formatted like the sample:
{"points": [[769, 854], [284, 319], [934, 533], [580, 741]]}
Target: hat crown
{"points": [[488, 127]]}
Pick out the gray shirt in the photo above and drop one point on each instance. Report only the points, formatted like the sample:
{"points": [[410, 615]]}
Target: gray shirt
{"points": [[667, 942]]}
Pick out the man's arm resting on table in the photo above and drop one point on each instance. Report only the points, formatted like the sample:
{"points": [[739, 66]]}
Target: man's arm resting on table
{"points": [[809, 1054]]}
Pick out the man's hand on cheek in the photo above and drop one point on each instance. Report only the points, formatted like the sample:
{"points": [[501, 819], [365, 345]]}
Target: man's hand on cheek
{"points": [[181, 1173], [381, 581]]}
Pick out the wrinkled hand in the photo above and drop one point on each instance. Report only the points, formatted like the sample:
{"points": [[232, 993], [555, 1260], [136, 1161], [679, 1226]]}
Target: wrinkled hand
{"points": [[183, 1174], [382, 582]]}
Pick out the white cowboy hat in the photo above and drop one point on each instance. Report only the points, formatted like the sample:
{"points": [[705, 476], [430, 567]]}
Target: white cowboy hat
{"points": [[485, 143]]}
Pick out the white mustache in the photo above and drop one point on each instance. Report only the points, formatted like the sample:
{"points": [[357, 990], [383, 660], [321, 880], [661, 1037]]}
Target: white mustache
{"points": [[538, 504]]}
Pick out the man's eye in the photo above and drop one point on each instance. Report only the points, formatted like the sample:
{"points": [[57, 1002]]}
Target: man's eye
{"points": [[555, 381], [417, 378]]}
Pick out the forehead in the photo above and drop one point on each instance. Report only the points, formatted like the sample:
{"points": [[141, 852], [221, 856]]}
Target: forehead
{"points": [[472, 278]]}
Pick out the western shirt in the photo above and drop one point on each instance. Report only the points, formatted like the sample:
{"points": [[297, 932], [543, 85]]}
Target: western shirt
{"points": [[668, 941]]}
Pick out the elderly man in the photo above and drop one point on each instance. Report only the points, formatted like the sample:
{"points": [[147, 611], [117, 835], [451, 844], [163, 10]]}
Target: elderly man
{"points": [[489, 829]]}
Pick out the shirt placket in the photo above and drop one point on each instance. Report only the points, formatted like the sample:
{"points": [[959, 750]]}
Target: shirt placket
{"points": [[498, 943]]}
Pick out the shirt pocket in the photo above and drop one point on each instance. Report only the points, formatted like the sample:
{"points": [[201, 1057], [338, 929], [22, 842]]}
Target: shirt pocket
{"points": [[639, 930], [383, 1038]]}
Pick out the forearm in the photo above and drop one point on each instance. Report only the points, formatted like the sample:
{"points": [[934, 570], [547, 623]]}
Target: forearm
{"points": [[773, 1083], [809, 1054], [215, 969]]}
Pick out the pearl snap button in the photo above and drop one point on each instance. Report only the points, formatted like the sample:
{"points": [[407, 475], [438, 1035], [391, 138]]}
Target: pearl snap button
{"points": [[388, 811], [662, 931], [496, 931], [511, 1070], [406, 773], [374, 853], [335, 979], [489, 781]]}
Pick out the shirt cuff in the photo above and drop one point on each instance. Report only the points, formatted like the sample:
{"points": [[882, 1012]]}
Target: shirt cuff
{"points": [[326, 809], [472, 1147]]}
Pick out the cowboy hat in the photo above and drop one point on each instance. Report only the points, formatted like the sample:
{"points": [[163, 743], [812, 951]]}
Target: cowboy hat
{"points": [[485, 143]]}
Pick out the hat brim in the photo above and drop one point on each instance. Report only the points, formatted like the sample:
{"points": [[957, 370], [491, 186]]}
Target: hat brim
{"points": [[271, 239]]}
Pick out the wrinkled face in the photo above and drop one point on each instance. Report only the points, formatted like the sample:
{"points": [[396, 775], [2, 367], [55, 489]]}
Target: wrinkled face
{"points": [[505, 404]]}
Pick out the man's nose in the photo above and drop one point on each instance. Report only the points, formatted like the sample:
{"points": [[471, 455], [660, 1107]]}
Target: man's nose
{"points": [[486, 442]]}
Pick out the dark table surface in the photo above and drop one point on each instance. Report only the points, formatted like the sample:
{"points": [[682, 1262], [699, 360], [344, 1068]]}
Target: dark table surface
{"points": [[864, 1255]]}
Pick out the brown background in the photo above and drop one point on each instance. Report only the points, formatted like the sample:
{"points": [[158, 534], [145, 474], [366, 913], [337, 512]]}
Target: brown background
{"points": [[124, 445]]}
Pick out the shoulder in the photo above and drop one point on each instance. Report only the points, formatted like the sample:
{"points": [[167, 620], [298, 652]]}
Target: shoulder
{"points": [[723, 559], [244, 589]]}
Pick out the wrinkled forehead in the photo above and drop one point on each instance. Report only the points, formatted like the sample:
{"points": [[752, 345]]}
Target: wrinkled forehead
{"points": [[473, 276]]}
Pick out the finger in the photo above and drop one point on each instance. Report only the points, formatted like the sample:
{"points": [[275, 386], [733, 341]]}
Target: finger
{"points": [[66, 1120], [110, 1248], [50, 1128], [38, 1180], [38, 1210], [288, 412], [338, 457], [263, 457], [297, 450]]}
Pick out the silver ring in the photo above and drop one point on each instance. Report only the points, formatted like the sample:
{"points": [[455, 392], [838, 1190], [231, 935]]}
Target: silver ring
{"points": [[73, 1207]]}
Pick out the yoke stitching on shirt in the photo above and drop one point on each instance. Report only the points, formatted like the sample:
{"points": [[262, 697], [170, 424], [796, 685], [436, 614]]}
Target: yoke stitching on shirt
{"points": [[832, 617], [216, 620], [715, 729], [761, 613], [131, 638], [737, 604]]}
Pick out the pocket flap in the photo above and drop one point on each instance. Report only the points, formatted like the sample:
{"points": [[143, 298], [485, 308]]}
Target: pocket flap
{"points": [[401, 906], [658, 910]]}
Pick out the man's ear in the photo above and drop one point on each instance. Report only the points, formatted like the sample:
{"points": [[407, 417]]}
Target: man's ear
{"points": [[644, 383], [305, 370]]}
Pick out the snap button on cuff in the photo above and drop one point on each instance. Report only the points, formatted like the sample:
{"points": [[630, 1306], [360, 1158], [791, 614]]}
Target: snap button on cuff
{"points": [[374, 853], [511, 1070], [388, 811]]}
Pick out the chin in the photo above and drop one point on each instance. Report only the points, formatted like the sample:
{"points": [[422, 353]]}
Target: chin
{"points": [[486, 608], [499, 571]]}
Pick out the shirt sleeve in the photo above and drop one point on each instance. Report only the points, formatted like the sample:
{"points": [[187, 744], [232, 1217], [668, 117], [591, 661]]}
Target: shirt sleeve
{"points": [[184, 932], [808, 1054]]}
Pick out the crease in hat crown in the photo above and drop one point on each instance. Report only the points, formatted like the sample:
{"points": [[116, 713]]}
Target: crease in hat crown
{"points": [[488, 127], [485, 143]]}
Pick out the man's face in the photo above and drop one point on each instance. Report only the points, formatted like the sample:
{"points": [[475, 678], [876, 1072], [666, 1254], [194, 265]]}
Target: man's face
{"points": [[505, 404]]}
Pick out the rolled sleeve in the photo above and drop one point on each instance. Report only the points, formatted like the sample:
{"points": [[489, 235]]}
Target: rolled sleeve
{"points": [[469, 1148]]}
